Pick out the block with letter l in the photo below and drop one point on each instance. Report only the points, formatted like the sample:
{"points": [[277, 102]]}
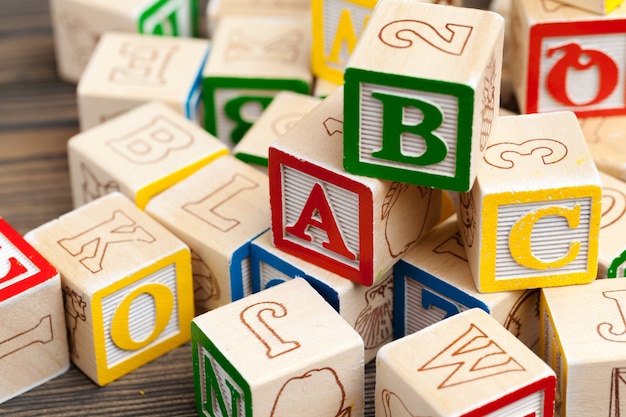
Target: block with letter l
{"points": [[568, 59], [433, 281], [352, 225], [127, 284], [422, 89], [33, 346], [466, 365], [532, 218], [281, 352]]}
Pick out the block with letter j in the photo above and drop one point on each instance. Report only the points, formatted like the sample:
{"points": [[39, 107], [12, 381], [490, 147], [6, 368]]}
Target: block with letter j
{"points": [[421, 91]]}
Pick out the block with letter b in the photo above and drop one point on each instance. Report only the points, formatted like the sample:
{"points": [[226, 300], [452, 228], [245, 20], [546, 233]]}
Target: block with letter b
{"points": [[352, 225], [532, 218], [281, 352], [433, 281], [584, 343], [139, 153], [568, 59], [465, 365], [127, 284], [424, 121], [33, 346]]}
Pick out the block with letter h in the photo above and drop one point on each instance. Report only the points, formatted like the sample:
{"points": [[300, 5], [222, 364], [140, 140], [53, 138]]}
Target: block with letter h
{"points": [[466, 365], [433, 281], [127, 285], [251, 60], [354, 226], [129, 69], [139, 153], [568, 59], [217, 212], [583, 342], [369, 310], [281, 352], [424, 121], [78, 25], [532, 218], [33, 346]]}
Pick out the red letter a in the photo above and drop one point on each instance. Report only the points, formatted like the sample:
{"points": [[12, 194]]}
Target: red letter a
{"points": [[317, 207]]}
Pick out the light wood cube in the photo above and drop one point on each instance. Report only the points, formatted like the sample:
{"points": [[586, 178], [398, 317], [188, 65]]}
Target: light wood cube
{"points": [[369, 310], [424, 121], [33, 343], [354, 226], [596, 6], [606, 138], [139, 153], [532, 218], [282, 113], [465, 365], [568, 59], [127, 70], [281, 352], [78, 24], [433, 281], [611, 243], [582, 338], [217, 211], [127, 283], [251, 60]]}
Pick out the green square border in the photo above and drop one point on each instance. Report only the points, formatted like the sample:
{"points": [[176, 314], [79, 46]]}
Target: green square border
{"points": [[193, 17], [198, 337], [354, 77]]}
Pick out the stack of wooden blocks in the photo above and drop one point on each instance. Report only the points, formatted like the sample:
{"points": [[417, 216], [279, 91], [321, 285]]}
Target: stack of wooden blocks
{"points": [[392, 216]]}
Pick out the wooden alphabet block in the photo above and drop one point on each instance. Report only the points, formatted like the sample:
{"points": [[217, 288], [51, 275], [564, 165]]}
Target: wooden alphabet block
{"points": [[582, 337], [127, 70], [216, 9], [612, 243], [466, 365], [139, 153], [284, 110], [369, 310], [606, 138], [217, 211], [281, 352], [354, 226], [423, 121], [127, 285], [337, 26], [78, 24], [433, 281], [33, 346], [568, 59], [532, 218], [596, 6], [251, 60]]}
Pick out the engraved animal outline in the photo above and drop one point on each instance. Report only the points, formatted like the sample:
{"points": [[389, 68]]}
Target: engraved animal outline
{"points": [[92, 187], [206, 287], [488, 101], [514, 323], [456, 242], [374, 321], [391, 401], [75, 312], [468, 217]]}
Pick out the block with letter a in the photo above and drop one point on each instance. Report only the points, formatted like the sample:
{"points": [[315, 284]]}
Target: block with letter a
{"points": [[568, 58], [217, 212], [33, 346], [584, 343], [433, 281], [281, 352], [424, 121], [466, 365], [369, 310], [139, 153], [126, 281], [129, 69], [532, 218], [354, 226], [251, 60]]}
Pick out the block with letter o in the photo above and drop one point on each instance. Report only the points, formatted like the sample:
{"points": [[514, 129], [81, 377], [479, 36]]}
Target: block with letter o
{"points": [[532, 218], [421, 91], [127, 283]]}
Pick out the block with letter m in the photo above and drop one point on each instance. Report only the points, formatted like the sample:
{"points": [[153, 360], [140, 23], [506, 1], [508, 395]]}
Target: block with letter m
{"points": [[421, 91]]}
